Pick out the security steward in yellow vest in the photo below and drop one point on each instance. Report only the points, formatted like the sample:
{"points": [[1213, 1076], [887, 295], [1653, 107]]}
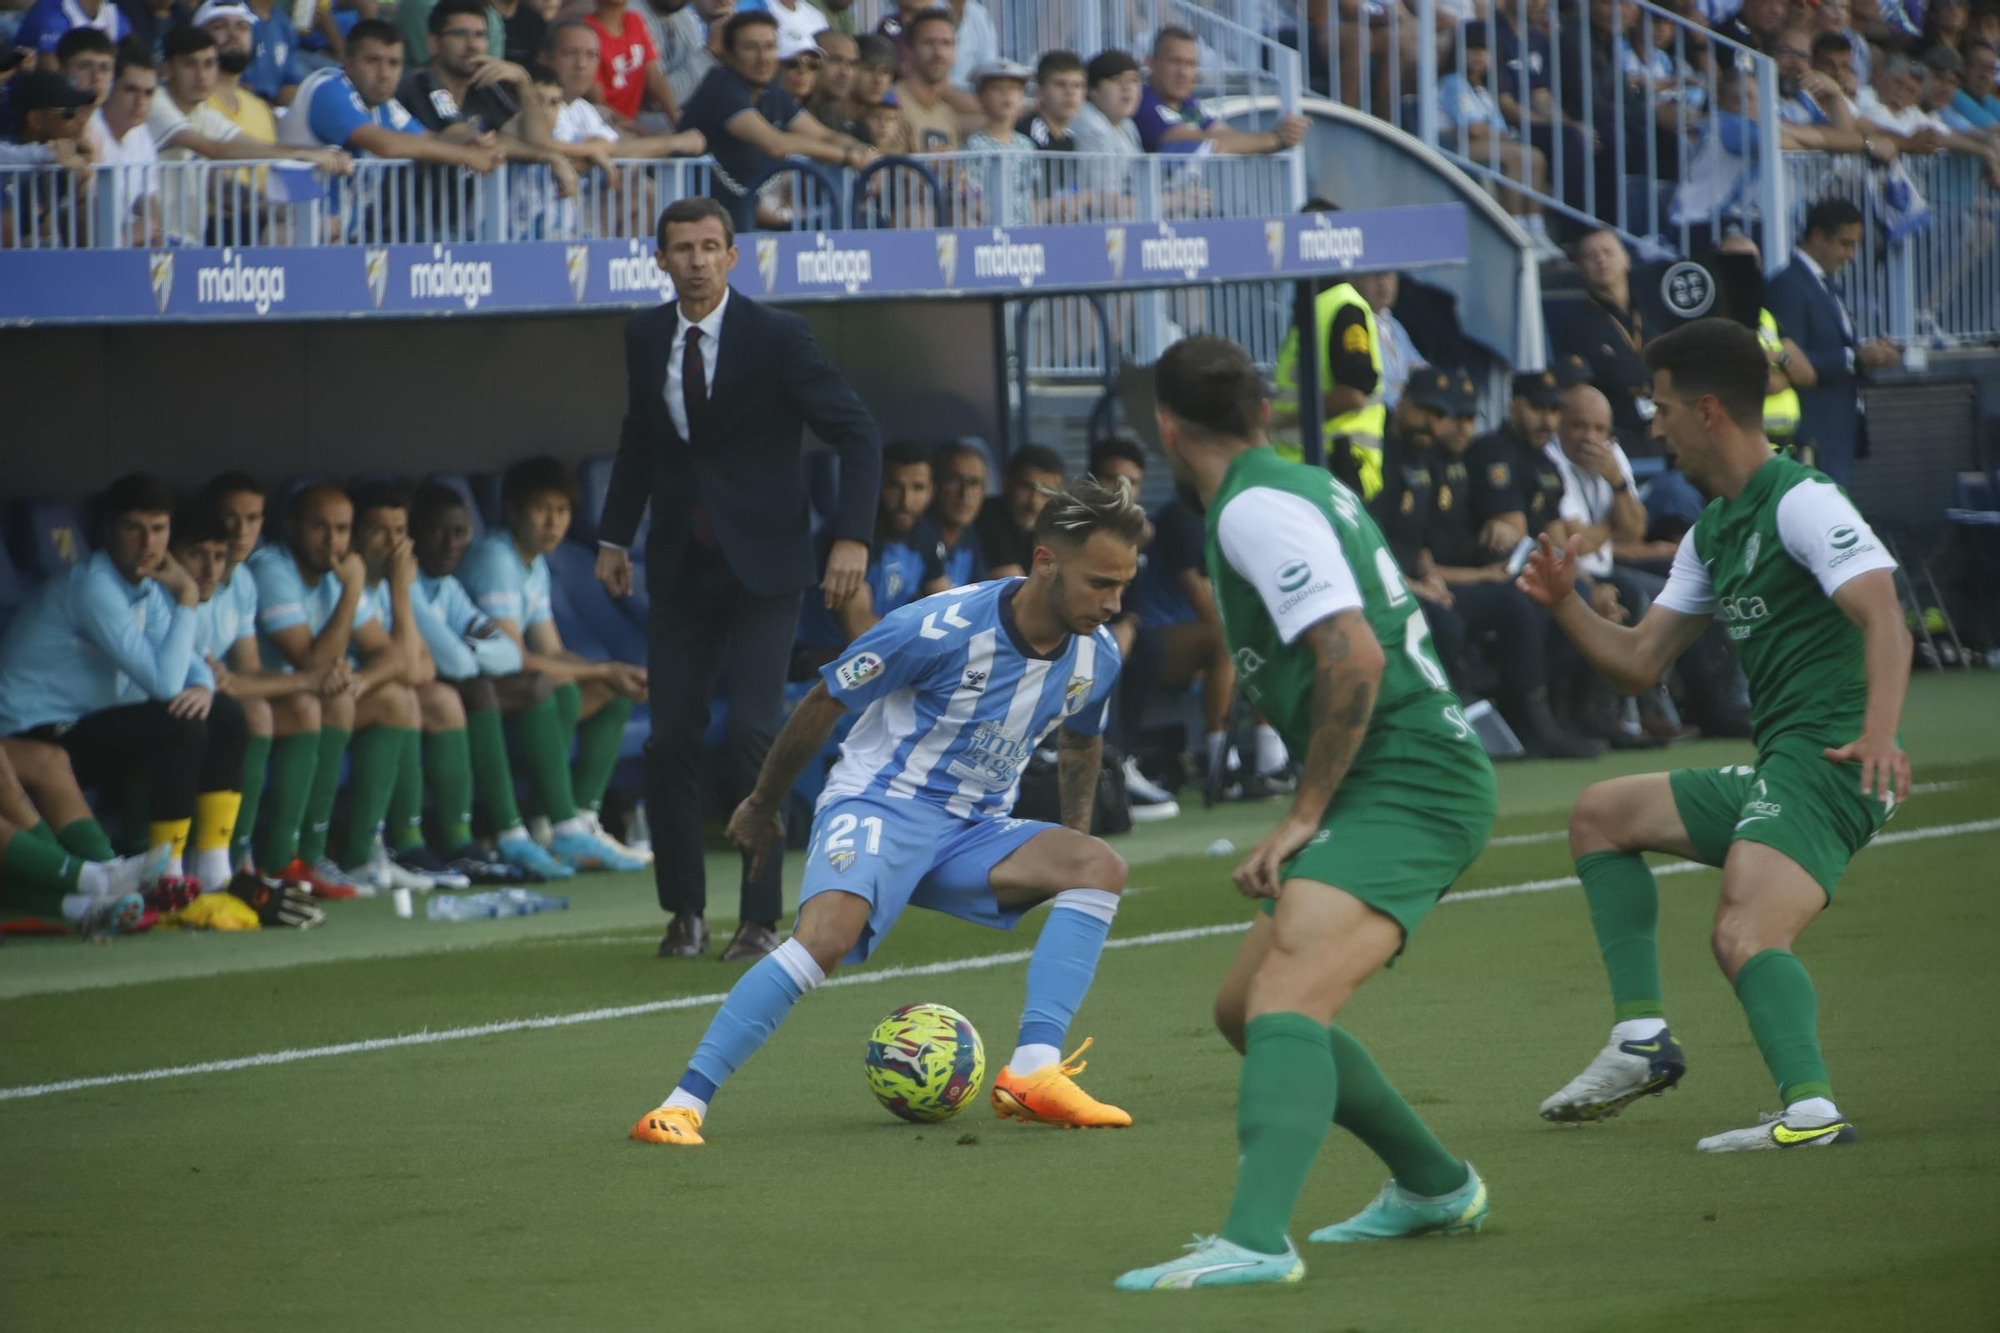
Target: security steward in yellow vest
{"points": [[1355, 416], [1781, 398]]}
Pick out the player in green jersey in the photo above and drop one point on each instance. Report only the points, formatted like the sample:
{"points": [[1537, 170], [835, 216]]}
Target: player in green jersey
{"points": [[1808, 596], [1395, 798]]}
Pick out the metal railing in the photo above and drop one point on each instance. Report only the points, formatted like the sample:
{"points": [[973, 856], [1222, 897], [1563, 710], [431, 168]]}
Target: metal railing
{"points": [[1243, 42], [1928, 268], [286, 204], [1622, 114]]}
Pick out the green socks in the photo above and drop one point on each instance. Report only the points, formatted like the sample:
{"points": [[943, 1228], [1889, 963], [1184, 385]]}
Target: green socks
{"points": [[404, 828], [486, 740], [545, 747], [379, 755], [447, 762], [568, 699], [1625, 913], [256, 752], [294, 763], [325, 790], [86, 838], [1778, 997], [37, 871], [1373, 1111], [1284, 1106], [597, 744]]}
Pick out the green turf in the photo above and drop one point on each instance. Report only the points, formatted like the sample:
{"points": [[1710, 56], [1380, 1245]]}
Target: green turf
{"points": [[485, 1183]]}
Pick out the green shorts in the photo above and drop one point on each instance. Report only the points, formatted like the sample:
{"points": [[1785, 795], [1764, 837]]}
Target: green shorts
{"points": [[1398, 836], [1792, 800]]}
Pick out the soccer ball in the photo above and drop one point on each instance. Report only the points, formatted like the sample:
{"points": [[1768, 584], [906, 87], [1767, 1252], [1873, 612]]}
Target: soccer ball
{"points": [[925, 1062]]}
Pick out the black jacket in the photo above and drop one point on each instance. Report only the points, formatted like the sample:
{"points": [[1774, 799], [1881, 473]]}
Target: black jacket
{"points": [[745, 470]]}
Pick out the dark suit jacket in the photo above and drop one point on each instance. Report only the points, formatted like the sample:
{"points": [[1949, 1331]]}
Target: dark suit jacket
{"points": [[744, 468], [1808, 314]]}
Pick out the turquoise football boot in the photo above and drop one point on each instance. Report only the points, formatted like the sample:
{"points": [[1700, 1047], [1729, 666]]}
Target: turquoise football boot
{"points": [[1396, 1213], [1214, 1262]]}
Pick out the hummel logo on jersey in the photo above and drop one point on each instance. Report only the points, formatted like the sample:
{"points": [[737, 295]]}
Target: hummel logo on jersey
{"points": [[975, 680], [1786, 1135]]}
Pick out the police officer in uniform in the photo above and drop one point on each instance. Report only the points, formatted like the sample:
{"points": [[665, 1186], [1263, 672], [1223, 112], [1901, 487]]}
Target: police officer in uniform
{"points": [[1412, 460], [1479, 515]]}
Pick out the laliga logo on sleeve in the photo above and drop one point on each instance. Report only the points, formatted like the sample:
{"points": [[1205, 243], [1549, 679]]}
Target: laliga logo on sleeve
{"points": [[767, 262], [376, 265], [1114, 250], [161, 267], [947, 257], [858, 670], [1274, 242], [577, 258]]}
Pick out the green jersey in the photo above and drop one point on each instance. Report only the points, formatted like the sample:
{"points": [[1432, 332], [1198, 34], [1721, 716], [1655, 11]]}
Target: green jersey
{"points": [[1766, 564], [1288, 546]]}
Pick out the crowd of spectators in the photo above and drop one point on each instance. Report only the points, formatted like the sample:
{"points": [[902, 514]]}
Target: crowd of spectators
{"points": [[576, 85]]}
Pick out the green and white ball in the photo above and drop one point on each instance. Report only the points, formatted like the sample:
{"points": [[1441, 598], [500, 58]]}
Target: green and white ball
{"points": [[925, 1062]]}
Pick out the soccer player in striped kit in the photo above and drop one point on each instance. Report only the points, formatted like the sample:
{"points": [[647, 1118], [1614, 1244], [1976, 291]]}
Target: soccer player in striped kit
{"points": [[956, 691]]}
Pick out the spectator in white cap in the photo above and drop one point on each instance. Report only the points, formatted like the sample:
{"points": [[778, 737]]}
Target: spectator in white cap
{"points": [[799, 59], [234, 28], [1001, 86], [799, 21]]}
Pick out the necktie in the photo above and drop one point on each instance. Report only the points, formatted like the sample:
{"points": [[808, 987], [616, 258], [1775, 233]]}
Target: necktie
{"points": [[694, 382], [694, 400]]}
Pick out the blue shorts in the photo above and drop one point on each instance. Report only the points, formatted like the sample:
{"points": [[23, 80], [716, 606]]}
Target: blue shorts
{"points": [[894, 853]]}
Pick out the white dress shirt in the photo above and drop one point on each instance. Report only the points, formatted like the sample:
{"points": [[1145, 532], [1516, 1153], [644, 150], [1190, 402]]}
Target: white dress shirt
{"points": [[1846, 324], [711, 341], [1588, 500], [711, 338]]}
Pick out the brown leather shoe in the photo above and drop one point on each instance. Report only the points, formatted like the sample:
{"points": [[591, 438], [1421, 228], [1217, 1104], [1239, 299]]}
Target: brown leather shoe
{"points": [[750, 942], [687, 937]]}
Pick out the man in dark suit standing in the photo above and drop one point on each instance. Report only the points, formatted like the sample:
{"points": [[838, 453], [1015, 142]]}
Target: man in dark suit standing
{"points": [[718, 390], [1811, 315]]}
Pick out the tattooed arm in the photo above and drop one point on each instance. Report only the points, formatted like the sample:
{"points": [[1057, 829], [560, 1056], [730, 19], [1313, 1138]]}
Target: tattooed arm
{"points": [[1078, 759], [1349, 671]]}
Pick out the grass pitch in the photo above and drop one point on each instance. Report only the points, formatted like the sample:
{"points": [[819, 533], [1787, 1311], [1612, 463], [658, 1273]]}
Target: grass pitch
{"points": [[481, 1180]]}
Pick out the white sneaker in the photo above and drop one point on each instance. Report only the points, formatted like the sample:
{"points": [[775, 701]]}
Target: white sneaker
{"points": [[1150, 801], [596, 826], [541, 830], [135, 874], [1622, 1073], [328, 871], [1787, 1130], [384, 874]]}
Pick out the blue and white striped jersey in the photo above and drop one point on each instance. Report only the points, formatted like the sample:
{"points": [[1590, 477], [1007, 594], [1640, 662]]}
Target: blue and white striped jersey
{"points": [[953, 701]]}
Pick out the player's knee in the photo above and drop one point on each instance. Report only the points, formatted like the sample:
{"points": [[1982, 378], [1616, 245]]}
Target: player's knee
{"points": [[397, 706], [1104, 869], [1229, 1020], [440, 706], [828, 941], [295, 715], [257, 718], [184, 733], [337, 712], [1591, 821]]}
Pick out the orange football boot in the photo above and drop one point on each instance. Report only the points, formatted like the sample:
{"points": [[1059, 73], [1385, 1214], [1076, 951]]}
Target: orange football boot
{"points": [[668, 1124], [1049, 1096]]}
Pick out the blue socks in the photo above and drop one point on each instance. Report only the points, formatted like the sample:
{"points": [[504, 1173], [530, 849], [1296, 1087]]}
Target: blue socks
{"points": [[1060, 971], [756, 1005]]}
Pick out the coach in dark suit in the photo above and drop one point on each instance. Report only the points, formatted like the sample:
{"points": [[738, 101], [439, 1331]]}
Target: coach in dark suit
{"points": [[1812, 317], [719, 388]]}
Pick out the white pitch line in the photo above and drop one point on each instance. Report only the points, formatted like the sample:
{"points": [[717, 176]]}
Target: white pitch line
{"points": [[1558, 835], [945, 968]]}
